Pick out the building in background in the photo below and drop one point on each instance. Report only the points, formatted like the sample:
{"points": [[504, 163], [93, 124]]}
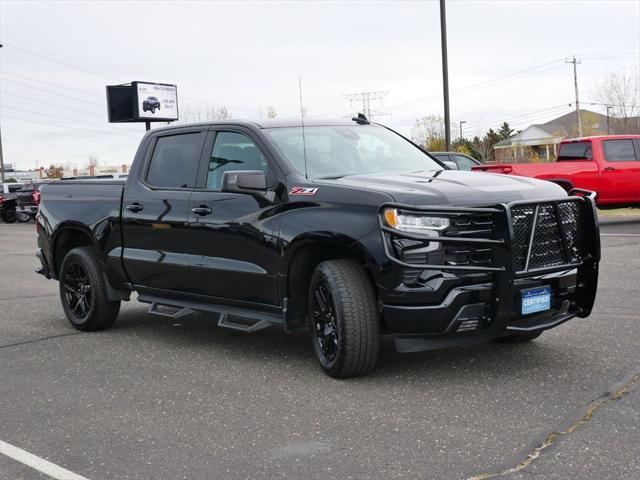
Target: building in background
{"points": [[20, 176], [539, 143]]}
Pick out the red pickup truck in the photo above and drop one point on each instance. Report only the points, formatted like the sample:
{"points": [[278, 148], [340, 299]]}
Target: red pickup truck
{"points": [[608, 165]]}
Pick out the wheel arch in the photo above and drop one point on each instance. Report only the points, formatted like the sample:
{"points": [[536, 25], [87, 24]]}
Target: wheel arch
{"points": [[304, 255], [67, 237]]}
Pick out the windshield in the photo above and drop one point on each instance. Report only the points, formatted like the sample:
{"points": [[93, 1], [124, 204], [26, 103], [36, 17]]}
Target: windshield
{"points": [[337, 151]]}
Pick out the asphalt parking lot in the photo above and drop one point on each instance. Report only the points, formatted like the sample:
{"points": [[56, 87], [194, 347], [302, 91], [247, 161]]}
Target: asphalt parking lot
{"points": [[164, 399]]}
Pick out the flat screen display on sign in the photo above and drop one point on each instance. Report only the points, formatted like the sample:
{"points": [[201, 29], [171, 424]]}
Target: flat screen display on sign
{"points": [[157, 101]]}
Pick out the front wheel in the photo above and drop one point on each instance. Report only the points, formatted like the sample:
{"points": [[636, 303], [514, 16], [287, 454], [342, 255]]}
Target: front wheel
{"points": [[345, 323], [83, 292]]}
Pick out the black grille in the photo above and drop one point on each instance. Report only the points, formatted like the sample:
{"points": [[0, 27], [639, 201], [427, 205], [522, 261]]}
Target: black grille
{"points": [[552, 223]]}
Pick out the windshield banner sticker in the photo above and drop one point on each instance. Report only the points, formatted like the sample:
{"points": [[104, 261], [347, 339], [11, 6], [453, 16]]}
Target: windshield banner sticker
{"points": [[303, 191]]}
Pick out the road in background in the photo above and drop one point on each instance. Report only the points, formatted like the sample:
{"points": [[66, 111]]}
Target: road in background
{"points": [[166, 399]]}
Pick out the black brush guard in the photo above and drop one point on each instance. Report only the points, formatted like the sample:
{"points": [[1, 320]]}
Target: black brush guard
{"points": [[503, 269]]}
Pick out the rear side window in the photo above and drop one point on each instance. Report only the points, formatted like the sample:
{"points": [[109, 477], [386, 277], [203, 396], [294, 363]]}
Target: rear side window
{"points": [[575, 151], [175, 161], [619, 151]]}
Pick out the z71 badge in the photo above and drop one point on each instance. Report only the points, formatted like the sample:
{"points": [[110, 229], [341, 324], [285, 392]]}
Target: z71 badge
{"points": [[303, 191]]}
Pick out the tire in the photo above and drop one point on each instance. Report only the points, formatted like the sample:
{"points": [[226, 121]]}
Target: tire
{"points": [[344, 319], [519, 337], [23, 217], [9, 216], [83, 292]]}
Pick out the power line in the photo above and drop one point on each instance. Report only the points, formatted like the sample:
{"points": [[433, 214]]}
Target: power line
{"points": [[59, 105], [365, 98], [51, 83], [63, 126], [54, 93], [93, 72], [484, 84], [56, 117]]}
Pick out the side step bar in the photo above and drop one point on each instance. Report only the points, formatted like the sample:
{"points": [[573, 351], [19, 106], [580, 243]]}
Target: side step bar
{"points": [[233, 318]]}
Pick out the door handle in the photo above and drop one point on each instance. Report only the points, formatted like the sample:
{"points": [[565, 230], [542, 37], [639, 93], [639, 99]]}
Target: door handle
{"points": [[202, 210], [134, 207], [609, 169]]}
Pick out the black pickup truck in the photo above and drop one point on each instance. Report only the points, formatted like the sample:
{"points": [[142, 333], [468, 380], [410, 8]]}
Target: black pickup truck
{"points": [[344, 228]]}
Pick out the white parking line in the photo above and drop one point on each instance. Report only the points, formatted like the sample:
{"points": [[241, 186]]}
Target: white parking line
{"points": [[37, 463], [620, 234]]}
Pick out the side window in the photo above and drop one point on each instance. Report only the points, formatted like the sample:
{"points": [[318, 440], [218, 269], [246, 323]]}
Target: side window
{"points": [[463, 163], [442, 158], [175, 161], [619, 151], [575, 151], [233, 151]]}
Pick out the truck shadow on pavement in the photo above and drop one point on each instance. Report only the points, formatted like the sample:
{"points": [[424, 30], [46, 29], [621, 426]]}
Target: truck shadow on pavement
{"points": [[294, 352]]}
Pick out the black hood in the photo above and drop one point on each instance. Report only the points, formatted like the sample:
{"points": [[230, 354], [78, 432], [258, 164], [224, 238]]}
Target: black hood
{"points": [[456, 188]]}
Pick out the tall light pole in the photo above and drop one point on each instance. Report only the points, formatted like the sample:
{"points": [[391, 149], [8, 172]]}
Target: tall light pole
{"points": [[1, 157], [461, 122], [445, 75], [609, 107]]}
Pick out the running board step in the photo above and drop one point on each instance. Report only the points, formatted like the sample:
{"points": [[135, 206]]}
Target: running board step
{"points": [[233, 318], [168, 311], [240, 324]]}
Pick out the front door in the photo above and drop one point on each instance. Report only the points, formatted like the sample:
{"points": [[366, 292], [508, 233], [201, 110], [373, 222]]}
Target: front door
{"points": [[156, 210], [621, 172], [233, 236]]}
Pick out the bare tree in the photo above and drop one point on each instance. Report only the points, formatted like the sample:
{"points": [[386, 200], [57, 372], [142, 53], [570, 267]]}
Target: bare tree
{"points": [[271, 112], [195, 114], [93, 161], [621, 91], [429, 132]]}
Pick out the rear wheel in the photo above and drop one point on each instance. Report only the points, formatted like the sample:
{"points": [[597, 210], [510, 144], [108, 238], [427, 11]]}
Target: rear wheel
{"points": [[345, 324], [83, 292], [519, 337], [9, 216]]}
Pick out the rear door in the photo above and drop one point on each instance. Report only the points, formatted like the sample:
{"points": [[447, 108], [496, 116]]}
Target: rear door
{"points": [[621, 170], [155, 211], [233, 236]]}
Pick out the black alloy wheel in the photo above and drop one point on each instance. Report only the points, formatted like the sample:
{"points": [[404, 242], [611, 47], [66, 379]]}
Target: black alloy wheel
{"points": [[325, 324], [78, 294]]}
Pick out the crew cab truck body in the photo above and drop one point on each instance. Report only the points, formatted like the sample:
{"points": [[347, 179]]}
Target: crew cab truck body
{"points": [[608, 165], [350, 231]]}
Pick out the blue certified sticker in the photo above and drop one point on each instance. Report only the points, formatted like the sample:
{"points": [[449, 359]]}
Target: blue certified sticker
{"points": [[536, 300]]}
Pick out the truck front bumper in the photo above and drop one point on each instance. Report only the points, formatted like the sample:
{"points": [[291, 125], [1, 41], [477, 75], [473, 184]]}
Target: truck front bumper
{"points": [[487, 303]]}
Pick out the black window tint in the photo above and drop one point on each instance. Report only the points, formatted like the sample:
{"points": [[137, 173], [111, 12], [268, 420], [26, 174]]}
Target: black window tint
{"points": [[233, 151], [14, 188], [175, 161], [442, 158], [575, 151], [619, 150]]}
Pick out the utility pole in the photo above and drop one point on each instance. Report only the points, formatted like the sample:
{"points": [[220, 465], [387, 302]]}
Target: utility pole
{"points": [[609, 107], [365, 98], [461, 122], [1, 157], [575, 62], [445, 75]]}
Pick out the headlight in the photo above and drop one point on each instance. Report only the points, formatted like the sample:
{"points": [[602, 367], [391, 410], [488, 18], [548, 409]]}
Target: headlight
{"points": [[410, 222]]}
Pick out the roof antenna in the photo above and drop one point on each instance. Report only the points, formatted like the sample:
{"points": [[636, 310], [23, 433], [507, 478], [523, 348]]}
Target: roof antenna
{"points": [[304, 140]]}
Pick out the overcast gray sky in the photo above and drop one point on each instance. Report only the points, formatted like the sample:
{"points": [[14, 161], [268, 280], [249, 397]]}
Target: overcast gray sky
{"points": [[248, 56]]}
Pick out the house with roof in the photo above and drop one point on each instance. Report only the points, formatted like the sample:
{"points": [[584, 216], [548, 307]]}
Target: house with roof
{"points": [[539, 143]]}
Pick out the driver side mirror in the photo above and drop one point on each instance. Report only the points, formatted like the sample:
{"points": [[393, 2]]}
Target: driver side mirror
{"points": [[450, 165], [251, 182], [244, 181]]}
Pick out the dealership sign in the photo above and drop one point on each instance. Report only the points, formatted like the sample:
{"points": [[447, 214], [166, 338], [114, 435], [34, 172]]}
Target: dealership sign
{"points": [[142, 102]]}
